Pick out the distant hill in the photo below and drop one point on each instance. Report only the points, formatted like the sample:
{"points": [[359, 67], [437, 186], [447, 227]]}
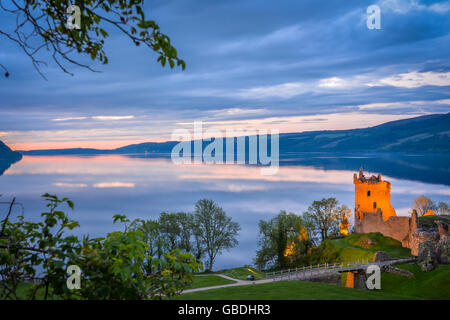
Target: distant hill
{"points": [[7, 157], [7, 154], [430, 133], [424, 134]]}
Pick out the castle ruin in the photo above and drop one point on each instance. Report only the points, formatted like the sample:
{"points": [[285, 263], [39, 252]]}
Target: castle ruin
{"points": [[374, 213]]}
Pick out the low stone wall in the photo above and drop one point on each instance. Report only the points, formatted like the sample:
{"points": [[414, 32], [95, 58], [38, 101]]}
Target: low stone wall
{"points": [[332, 278]]}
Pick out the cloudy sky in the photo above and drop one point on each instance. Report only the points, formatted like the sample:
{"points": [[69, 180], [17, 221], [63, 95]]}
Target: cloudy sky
{"points": [[288, 65]]}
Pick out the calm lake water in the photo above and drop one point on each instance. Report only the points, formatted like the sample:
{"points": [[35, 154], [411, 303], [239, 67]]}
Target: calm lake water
{"points": [[142, 187]]}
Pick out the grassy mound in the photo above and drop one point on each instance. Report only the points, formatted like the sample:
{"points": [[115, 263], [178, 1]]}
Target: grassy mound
{"points": [[290, 290], [201, 281], [361, 246], [425, 285], [428, 221]]}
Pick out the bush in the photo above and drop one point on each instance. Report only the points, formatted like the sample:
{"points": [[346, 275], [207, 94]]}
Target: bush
{"points": [[114, 267]]}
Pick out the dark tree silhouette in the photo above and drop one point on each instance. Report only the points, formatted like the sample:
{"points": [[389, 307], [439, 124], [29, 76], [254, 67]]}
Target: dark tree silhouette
{"points": [[44, 25]]}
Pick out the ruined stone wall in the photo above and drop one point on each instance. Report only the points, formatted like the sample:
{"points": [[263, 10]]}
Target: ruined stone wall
{"points": [[399, 228]]}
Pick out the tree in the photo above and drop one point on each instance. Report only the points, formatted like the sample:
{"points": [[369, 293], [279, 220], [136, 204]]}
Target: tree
{"points": [[112, 267], [283, 241], [151, 235], [422, 204], [170, 230], [215, 229], [442, 208], [344, 213], [323, 217], [44, 26], [27, 246], [186, 224]]}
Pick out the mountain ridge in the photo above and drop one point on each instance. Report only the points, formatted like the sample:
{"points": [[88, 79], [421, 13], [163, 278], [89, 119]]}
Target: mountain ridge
{"points": [[422, 134]]}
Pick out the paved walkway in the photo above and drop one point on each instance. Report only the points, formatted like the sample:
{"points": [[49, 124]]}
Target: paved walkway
{"points": [[237, 283]]}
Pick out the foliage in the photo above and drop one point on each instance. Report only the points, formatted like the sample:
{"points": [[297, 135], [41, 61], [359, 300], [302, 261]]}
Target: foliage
{"points": [[207, 231], [117, 266], [327, 252], [428, 222], [170, 231], [442, 208], [215, 229], [323, 217], [422, 204], [26, 247], [42, 24], [283, 241]]}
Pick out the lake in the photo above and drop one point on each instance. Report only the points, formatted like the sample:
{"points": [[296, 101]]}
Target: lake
{"points": [[142, 187]]}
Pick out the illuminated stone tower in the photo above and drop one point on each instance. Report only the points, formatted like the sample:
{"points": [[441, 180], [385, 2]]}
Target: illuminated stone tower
{"points": [[374, 213], [372, 195]]}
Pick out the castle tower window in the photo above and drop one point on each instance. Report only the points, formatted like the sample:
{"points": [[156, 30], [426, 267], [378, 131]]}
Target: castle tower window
{"points": [[368, 193], [374, 205]]}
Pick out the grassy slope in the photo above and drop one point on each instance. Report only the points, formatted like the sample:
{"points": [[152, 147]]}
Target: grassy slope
{"points": [[356, 246], [201, 281], [242, 273], [428, 221], [426, 285], [290, 290]]}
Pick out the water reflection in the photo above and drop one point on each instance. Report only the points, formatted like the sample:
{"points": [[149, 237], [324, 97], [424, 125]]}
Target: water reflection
{"points": [[142, 187]]}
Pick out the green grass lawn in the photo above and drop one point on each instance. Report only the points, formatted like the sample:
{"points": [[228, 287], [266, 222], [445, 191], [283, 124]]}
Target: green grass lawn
{"points": [[201, 281], [291, 290], [242, 273], [361, 246], [426, 285], [24, 287]]}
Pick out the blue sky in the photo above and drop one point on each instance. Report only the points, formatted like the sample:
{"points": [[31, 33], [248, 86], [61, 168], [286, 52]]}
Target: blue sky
{"points": [[287, 65]]}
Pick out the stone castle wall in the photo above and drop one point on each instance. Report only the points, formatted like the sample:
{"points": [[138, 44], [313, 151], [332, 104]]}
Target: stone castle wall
{"points": [[374, 213], [399, 228]]}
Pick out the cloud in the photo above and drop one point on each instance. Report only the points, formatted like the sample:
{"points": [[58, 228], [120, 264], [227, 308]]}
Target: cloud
{"points": [[114, 185], [69, 119], [333, 82], [101, 118], [283, 91], [403, 104], [280, 91], [113, 118], [236, 112], [406, 6], [245, 60], [414, 79], [276, 37], [70, 185]]}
